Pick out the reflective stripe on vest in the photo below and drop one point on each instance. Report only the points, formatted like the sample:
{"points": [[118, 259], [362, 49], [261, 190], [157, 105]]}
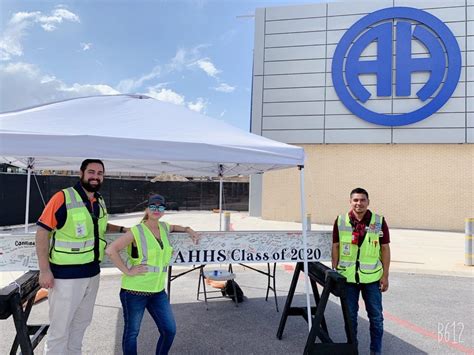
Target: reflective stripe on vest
{"points": [[149, 268], [378, 222], [74, 245], [342, 225], [157, 269], [346, 263], [143, 243], [370, 266], [78, 203], [144, 246], [74, 203]]}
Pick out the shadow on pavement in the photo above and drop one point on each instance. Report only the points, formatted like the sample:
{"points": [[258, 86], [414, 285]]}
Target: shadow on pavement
{"points": [[248, 329], [223, 329]]}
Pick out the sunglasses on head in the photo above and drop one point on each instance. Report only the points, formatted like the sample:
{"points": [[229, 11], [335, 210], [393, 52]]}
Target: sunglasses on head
{"points": [[155, 208]]}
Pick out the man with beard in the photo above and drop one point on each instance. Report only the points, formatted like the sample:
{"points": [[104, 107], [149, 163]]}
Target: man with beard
{"points": [[70, 245]]}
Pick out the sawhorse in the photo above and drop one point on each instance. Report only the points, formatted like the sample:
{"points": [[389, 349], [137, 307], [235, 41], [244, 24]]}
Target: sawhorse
{"points": [[333, 283], [12, 298]]}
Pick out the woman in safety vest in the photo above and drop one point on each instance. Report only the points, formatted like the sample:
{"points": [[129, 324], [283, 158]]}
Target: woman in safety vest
{"points": [[144, 275]]}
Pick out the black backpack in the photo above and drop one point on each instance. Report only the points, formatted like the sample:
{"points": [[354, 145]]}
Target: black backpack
{"points": [[229, 291]]}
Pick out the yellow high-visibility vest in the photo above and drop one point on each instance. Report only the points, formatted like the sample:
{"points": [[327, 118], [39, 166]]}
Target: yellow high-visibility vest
{"points": [[364, 260], [152, 255], [73, 243]]}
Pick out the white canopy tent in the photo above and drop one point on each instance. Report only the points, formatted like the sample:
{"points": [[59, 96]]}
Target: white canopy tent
{"points": [[135, 133]]}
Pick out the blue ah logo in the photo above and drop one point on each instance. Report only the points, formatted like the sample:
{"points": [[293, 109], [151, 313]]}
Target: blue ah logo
{"points": [[404, 24]]}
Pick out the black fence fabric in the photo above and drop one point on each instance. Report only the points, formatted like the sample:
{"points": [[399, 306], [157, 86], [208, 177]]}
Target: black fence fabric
{"points": [[121, 195]]}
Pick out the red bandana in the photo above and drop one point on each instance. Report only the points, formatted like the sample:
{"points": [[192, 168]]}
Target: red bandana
{"points": [[358, 227]]}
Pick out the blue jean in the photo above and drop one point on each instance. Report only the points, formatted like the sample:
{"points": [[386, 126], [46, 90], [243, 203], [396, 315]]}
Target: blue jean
{"points": [[373, 304], [159, 308]]}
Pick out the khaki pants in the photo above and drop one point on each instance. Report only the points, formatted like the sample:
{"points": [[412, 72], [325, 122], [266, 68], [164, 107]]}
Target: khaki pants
{"points": [[71, 304]]}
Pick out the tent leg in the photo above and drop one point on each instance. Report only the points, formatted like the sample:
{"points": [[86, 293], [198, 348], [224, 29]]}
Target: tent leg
{"points": [[221, 191], [28, 183], [305, 246]]}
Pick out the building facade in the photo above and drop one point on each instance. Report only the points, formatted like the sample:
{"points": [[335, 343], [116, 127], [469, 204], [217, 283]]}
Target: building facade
{"points": [[381, 96]]}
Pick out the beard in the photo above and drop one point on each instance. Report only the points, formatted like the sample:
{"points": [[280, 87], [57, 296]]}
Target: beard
{"points": [[91, 188]]}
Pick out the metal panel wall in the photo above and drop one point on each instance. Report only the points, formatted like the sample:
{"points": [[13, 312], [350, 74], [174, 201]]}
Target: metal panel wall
{"points": [[294, 46]]}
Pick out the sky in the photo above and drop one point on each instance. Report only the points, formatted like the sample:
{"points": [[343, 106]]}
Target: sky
{"points": [[193, 53]]}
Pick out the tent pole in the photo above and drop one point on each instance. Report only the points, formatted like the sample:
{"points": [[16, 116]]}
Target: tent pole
{"points": [[221, 183], [28, 183], [221, 192], [305, 245]]}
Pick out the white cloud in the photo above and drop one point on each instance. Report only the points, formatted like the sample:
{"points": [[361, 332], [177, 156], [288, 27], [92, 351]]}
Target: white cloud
{"points": [[49, 23], [223, 87], [185, 58], [208, 67], [198, 106], [20, 22], [132, 84], [158, 86], [179, 60], [85, 46], [166, 95], [28, 86], [21, 17], [90, 89]]}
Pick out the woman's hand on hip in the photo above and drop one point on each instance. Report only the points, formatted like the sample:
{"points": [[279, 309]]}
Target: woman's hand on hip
{"points": [[136, 270]]}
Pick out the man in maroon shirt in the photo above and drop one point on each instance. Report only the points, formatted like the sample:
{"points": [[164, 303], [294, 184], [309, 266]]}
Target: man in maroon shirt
{"points": [[363, 257]]}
